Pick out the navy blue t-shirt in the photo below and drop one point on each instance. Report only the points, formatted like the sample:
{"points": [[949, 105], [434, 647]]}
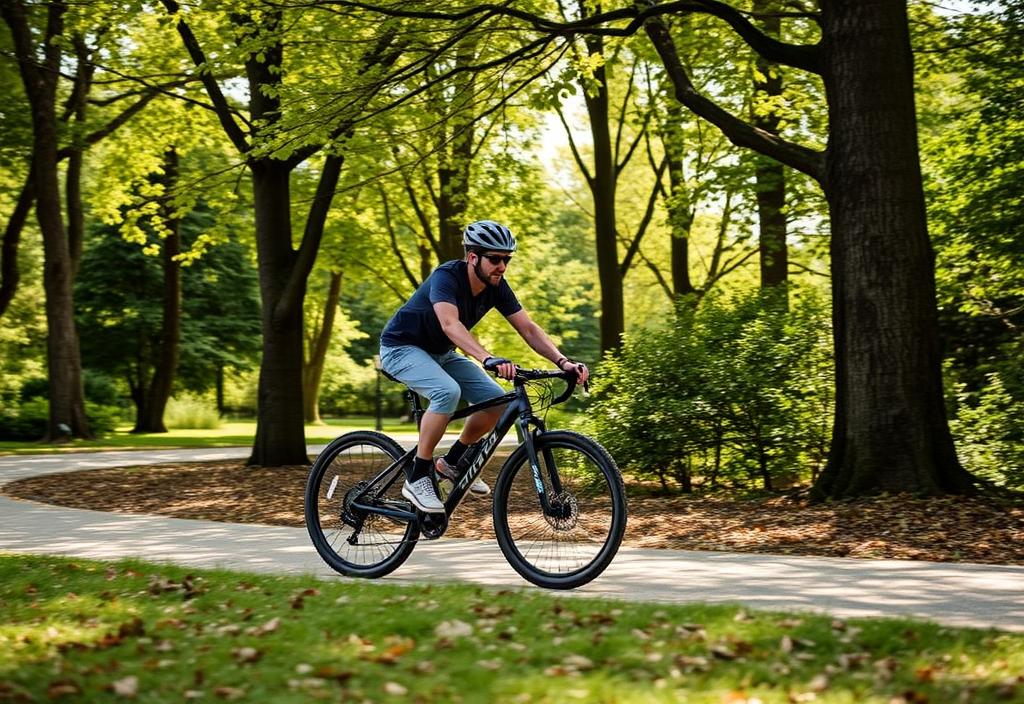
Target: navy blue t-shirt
{"points": [[416, 323]]}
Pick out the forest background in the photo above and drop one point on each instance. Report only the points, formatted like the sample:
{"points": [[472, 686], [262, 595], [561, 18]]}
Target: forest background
{"points": [[221, 205]]}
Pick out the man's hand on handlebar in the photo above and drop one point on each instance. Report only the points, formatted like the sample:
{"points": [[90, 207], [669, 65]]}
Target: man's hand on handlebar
{"points": [[500, 366], [582, 373]]}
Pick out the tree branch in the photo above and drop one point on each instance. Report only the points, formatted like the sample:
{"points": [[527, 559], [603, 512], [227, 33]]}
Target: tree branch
{"points": [[394, 238], [645, 221], [738, 132], [795, 55], [220, 103], [572, 147], [9, 272], [293, 294]]}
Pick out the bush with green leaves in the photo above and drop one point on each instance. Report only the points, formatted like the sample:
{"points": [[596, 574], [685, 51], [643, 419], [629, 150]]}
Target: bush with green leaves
{"points": [[192, 411], [989, 432], [29, 419], [735, 392]]}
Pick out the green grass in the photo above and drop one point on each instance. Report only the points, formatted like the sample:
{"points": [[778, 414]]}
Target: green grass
{"points": [[166, 634], [229, 434]]}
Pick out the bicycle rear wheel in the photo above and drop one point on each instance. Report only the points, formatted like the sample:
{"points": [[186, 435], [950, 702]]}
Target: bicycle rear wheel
{"points": [[574, 540], [355, 542]]}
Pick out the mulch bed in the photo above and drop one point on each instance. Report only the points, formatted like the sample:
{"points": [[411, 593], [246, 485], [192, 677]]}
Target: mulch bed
{"points": [[948, 529]]}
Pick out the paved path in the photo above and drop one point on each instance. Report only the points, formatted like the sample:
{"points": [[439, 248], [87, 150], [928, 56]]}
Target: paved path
{"points": [[955, 594]]}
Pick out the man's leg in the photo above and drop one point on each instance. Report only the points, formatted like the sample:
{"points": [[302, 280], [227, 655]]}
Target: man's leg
{"points": [[476, 387], [479, 424], [432, 427], [421, 372]]}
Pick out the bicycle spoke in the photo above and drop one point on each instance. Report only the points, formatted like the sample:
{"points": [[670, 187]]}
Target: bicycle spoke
{"points": [[560, 546], [355, 540]]}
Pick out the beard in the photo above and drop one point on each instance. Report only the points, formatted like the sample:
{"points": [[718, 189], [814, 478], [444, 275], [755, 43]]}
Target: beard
{"points": [[492, 281]]}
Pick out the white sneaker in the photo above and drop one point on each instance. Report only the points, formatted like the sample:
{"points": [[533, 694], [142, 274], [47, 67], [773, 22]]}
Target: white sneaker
{"points": [[421, 493], [478, 488]]}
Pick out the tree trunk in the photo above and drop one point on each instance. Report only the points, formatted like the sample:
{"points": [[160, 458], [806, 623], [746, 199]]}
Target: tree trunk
{"points": [[151, 415], [680, 212], [10, 274], [602, 188], [890, 431], [220, 390], [64, 363], [313, 371], [280, 385], [769, 174], [454, 172]]}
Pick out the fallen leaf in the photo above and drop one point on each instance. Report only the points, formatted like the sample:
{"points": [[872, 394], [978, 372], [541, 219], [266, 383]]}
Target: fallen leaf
{"points": [[127, 687], [229, 693], [395, 689], [453, 629], [578, 662], [60, 688], [246, 655]]}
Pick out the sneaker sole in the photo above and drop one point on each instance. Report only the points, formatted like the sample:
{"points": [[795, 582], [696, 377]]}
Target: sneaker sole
{"points": [[417, 504]]}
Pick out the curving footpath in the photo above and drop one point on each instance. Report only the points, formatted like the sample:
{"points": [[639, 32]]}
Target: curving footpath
{"points": [[954, 594]]}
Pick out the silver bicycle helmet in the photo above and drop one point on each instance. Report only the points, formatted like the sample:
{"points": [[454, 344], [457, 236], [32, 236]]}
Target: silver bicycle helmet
{"points": [[488, 235]]}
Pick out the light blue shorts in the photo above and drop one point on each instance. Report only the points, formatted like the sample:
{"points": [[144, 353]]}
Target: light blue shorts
{"points": [[441, 378]]}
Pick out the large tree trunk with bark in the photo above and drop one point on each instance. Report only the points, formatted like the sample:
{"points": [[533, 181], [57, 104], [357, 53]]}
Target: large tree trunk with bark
{"points": [[280, 385], [319, 342], [891, 432], [64, 364], [150, 417]]}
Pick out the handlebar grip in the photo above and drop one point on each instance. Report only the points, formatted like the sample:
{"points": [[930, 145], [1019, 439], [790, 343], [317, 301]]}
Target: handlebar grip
{"points": [[491, 364]]}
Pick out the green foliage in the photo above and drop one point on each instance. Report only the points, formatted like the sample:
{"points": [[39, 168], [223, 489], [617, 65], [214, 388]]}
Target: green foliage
{"points": [[973, 154], [735, 391], [989, 432], [120, 308], [187, 410], [29, 420]]}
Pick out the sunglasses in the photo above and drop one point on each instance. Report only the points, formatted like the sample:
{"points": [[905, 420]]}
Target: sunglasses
{"points": [[496, 259]]}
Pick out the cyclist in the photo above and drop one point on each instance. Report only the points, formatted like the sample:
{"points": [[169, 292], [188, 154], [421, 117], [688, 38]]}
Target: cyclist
{"points": [[418, 349]]}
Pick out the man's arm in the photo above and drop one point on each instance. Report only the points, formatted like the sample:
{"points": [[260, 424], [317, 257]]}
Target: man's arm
{"points": [[540, 342], [448, 316]]}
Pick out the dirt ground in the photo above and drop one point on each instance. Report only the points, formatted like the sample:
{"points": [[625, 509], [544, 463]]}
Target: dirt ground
{"points": [[899, 527]]}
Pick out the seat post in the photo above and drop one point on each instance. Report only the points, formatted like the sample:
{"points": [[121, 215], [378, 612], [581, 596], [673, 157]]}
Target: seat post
{"points": [[417, 406]]}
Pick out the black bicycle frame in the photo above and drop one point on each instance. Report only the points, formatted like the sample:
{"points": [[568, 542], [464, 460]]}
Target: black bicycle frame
{"points": [[518, 412]]}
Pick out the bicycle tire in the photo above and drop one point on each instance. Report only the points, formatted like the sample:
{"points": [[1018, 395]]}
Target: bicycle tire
{"points": [[347, 460], [568, 550]]}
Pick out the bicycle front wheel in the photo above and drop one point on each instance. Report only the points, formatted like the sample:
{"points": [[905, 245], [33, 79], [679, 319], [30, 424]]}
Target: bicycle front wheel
{"points": [[353, 541], [573, 539]]}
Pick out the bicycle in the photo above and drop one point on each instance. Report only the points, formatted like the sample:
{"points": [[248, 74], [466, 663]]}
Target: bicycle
{"points": [[559, 506]]}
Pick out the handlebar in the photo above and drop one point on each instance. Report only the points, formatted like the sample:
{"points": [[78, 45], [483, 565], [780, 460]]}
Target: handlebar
{"points": [[524, 375]]}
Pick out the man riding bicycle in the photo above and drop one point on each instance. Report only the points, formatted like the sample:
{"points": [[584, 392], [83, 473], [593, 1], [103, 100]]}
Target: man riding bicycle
{"points": [[417, 347]]}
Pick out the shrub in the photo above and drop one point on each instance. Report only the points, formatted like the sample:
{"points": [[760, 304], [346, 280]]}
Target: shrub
{"points": [[989, 432], [29, 420], [735, 391], [25, 421], [191, 411]]}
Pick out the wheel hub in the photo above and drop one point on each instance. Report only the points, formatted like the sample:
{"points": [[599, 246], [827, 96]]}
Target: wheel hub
{"points": [[350, 515], [564, 513]]}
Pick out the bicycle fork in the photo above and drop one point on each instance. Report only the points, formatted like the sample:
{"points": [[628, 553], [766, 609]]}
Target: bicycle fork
{"points": [[528, 437]]}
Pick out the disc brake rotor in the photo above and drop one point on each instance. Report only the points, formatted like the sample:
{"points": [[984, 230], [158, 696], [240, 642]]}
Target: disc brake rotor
{"points": [[564, 513]]}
